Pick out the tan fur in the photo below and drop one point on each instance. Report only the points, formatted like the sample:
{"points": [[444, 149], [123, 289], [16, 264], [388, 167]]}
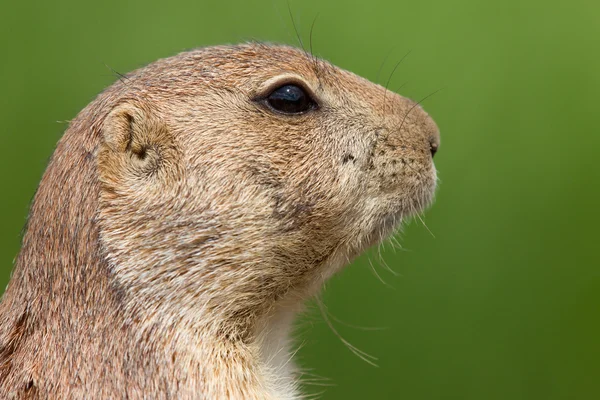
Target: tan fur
{"points": [[180, 225]]}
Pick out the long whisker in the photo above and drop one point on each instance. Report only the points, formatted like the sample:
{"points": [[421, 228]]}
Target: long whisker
{"points": [[393, 240], [120, 76], [387, 267], [362, 328], [377, 275], [314, 396], [389, 53], [390, 78], [400, 87], [369, 359], [296, 28], [416, 104], [310, 35], [425, 225], [315, 61]]}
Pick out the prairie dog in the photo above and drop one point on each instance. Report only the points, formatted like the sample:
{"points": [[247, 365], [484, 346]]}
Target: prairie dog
{"points": [[187, 213]]}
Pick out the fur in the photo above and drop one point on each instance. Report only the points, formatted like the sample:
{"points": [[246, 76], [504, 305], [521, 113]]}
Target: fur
{"points": [[181, 224]]}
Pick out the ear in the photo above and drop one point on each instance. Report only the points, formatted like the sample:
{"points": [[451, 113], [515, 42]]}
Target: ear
{"points": [[136, 144]]}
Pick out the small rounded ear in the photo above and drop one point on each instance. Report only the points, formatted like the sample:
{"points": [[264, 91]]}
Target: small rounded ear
{"points": [[125, 128], [135, 143]]}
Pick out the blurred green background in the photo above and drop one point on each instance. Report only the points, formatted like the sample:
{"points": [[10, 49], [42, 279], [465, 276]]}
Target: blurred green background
{"points": [[504, 301]]}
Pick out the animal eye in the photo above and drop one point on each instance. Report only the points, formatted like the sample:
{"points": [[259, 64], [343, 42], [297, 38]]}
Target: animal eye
{"points": [[290, 99]]}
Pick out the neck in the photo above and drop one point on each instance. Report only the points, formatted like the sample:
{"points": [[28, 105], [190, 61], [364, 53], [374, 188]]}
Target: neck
{"points": [[66, 330], [193, 362], [212, 358]]}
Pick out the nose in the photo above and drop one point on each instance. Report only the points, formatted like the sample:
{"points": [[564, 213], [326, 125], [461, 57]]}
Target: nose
{"points": [[416, 125], [434, 145]]}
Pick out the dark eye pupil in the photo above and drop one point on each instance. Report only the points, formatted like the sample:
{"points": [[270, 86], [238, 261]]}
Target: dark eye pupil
{"points": [[290, 99]]}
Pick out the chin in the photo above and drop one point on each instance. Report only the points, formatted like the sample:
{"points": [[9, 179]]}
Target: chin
{"points": [[401, 208]]}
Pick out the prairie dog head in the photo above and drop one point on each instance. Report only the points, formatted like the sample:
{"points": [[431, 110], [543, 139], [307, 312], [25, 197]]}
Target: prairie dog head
{"points": [[236, 177]]}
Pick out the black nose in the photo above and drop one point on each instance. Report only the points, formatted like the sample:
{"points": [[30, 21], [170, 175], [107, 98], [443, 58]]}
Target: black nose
{"points": [[433, 146]]}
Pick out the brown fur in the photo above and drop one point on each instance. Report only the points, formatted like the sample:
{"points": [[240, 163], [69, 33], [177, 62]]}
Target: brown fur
{"points": [[180, 225]]}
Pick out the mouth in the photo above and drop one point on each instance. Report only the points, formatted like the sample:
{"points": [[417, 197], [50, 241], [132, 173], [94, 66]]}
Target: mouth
{"points": [[412, 201], [387, 213]]}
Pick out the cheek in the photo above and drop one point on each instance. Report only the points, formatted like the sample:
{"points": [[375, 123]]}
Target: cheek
{"points": [[355, 151], [349, 158]]}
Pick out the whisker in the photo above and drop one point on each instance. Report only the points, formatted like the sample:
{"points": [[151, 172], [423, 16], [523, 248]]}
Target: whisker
{"points": [[378, 276], [120, 76], [314, 395], [310, 35], [315, 61], [302, 344], [388, 268], [389, 53], [390, 78], [416, 104], [369, 359], [395, 243], [296, 28], [400, 87], [314, 376], [357, 327], [425, 225]]}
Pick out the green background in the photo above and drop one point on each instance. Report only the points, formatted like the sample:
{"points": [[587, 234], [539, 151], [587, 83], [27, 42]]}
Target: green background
{"points": [[504, 302]]}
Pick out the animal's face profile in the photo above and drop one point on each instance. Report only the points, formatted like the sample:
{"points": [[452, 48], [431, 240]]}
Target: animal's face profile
{"points": [[265, 168], [189, 210]]}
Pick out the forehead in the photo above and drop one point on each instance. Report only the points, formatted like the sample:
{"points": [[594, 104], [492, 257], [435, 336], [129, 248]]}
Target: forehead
{"points": [[236, 67], [244, 68], [262, 60], [256, 63]]}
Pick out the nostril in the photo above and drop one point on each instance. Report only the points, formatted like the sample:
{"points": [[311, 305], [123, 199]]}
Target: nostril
{"points": [[433, 147]]}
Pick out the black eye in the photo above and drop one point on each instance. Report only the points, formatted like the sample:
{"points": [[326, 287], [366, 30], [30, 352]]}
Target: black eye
{"points": [[290, 99]]}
